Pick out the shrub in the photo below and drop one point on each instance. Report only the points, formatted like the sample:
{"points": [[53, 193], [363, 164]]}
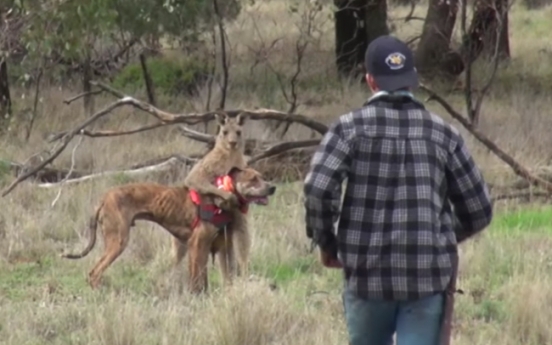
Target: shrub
{"points": [[169, 76]]}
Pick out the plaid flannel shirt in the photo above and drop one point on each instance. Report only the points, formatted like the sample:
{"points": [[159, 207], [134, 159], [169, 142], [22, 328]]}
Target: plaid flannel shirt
{"points": [[405, 167]]}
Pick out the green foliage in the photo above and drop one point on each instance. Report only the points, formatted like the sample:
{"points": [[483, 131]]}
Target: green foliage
{"points": [[70, 29], [169, 76]]}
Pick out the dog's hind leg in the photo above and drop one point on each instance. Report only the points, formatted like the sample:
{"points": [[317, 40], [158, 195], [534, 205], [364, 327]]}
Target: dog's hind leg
{"points": [[179, 251], [116, 236]]}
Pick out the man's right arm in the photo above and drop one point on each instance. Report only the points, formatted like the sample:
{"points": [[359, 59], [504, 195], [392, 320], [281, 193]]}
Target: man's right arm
{"points": [[468, 193]]}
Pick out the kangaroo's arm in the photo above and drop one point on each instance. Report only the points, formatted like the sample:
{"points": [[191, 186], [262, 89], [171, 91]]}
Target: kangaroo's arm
{"points": [[200, 178]]}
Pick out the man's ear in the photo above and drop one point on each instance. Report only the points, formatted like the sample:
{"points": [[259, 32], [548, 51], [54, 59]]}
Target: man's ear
{"points": [[371, 83]]}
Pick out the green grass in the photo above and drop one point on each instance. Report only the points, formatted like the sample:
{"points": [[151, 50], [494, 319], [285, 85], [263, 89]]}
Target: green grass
{"points": [[21, 281], [536, 219]]}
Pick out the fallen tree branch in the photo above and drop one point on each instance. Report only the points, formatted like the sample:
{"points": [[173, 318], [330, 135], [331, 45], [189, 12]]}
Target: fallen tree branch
{"points": [[166, 119], [110, 133], [521, 195], [519, 169], [64, 144], [81, 95], [195, 118], [195, 135], [281, 148], [129, 172]]}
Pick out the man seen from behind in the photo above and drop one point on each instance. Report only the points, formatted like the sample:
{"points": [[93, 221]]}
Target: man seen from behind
{"points": [[413, 193]]}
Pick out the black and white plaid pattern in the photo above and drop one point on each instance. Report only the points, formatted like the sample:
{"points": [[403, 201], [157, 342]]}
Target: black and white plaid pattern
{"points": [[395, 234]]}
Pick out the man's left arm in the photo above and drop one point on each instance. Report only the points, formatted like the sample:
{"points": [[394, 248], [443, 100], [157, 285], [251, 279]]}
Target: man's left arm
{"points": [[322, 188]]}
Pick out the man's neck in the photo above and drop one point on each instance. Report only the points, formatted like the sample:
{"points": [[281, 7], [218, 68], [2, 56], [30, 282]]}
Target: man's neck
{"points": [[403, 93]]}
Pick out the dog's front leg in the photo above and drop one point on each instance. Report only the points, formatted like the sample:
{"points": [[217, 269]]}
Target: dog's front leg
{"points": [[198, 248], [240, 234], [226, 257]]}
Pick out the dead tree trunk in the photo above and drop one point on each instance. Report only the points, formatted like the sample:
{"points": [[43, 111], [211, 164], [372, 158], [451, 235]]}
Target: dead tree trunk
{"points": [[147, 80], [375, 21], [434, 53], [357, 23], [350, 36], [88, 101], [482, 35], [5, 98]]}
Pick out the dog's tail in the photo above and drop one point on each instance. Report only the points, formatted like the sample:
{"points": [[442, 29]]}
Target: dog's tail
{"points": [[92, 226]]}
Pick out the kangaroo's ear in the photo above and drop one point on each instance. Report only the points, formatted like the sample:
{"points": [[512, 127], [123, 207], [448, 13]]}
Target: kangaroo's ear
{"points": [[221, 118], [240, 118]]}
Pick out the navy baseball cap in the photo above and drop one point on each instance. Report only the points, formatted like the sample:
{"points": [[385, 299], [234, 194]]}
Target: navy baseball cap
{"points": [[391, 62]]}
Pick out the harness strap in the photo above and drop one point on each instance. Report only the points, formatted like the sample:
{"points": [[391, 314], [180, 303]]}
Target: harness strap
{"points": [[211, 213]]}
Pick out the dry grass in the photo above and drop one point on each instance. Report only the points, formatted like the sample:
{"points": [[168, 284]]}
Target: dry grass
{"points": [[505, 273]]}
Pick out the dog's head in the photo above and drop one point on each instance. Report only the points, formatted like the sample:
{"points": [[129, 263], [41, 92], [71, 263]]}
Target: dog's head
{"points": [[249, 184]]}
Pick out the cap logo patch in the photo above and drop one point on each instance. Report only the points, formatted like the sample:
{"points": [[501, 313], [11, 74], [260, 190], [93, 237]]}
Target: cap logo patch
{"points": [[395, 61]]}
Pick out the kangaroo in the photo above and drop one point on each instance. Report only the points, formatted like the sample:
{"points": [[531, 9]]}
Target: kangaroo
{"points": [[227, 153]]}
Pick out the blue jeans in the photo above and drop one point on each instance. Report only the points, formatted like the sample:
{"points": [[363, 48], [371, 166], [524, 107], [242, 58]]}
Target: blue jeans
{"points": [[373, 322]]}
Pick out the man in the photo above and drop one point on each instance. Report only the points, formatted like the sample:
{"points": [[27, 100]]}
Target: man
{"points": [[397, 233]]}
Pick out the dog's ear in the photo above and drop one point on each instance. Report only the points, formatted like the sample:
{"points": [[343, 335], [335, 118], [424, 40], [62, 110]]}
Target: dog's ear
{"points": [[233, 171], [240, 118]]}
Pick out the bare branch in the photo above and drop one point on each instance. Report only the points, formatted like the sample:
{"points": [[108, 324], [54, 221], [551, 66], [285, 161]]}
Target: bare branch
{"points": [[35, 105], [194, 118], [63, 145], [410, 16], [223, 55], [212, 75], [281, 148], [195, 135], [81, 95], [54, 202], [130, 172], [521, 195], [109, 133], [166, 119], [147, 80], [519, 169]]}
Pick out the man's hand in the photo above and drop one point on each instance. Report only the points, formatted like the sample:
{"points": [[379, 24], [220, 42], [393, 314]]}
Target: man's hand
{"points": [[329, 260]]}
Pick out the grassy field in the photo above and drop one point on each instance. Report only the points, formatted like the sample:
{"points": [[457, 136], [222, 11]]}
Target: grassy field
{"points": [[505, 273]]}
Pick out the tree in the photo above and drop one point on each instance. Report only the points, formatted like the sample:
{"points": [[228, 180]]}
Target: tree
{"points": [[481, 38], [435, 39], [69, 33], [357, 23]]}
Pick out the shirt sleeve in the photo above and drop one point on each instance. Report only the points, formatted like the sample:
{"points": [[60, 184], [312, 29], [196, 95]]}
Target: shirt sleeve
{"points": [[322, 188], [468, 193]]}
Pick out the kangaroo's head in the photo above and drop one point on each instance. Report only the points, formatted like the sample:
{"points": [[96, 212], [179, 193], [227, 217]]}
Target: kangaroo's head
{"points": [[230, 132]]}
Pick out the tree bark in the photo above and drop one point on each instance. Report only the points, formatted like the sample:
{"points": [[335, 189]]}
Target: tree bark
{"points": [[5, 98], [375, 21], [88, 101], [434, 51], [482, 36], [357, 23]]}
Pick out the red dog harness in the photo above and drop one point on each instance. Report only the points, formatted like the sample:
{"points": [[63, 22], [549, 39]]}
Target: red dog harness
{"points": [[212, 213]]}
